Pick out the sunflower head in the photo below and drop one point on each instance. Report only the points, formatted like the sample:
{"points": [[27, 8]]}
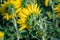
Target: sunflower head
{"points": [[9, 11], [10, 7], [28, 16]]}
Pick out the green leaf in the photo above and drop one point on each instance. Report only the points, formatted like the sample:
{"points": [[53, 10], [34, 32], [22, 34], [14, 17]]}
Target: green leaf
{"points": [[23, 34], [58, 30], [49, 14], [53, 38]]}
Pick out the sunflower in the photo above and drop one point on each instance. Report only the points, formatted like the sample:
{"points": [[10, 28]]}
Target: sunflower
{"points": [[27, 15], [10, 7], [57, 10]]}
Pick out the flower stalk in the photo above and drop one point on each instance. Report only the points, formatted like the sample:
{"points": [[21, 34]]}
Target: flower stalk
{"points": [[43, 28], [15, 24]]}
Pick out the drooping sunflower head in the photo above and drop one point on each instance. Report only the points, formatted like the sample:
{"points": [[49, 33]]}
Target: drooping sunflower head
{"points": [[28, 16], [10, 7], [9, 10]]}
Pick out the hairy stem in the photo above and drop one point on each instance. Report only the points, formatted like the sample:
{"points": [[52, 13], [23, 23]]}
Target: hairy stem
{"points": [[15, 25], [43, 28]]}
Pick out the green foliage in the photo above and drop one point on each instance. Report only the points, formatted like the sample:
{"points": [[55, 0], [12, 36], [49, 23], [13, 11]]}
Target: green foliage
{"points": [[25, 2], [9, 8], [58, 30], [46, 25]]}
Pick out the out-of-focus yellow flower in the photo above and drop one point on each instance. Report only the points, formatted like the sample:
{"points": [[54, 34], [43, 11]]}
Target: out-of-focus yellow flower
{"points": [[57, 10], [25, 13], [6, 10], [15, 3], [46, 3], [1, 34]]}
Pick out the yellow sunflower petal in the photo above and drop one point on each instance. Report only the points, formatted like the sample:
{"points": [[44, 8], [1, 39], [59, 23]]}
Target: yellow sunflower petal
{"points": [[21, 15], [25, 11], [23, 27], [6, 16], [21, 21]]}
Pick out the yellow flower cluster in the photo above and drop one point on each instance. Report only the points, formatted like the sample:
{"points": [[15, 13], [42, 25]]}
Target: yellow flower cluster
{"points": [[25, 12], [57, 10], [12, 8], [1, 34]]}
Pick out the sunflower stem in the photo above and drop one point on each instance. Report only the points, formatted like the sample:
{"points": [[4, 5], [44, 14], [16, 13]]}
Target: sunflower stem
{"points": [[15, 24], [42, 27], [52, 6]]}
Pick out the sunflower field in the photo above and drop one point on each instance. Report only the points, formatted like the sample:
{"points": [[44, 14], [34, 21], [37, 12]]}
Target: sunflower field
{"points": [[29, 19]]}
